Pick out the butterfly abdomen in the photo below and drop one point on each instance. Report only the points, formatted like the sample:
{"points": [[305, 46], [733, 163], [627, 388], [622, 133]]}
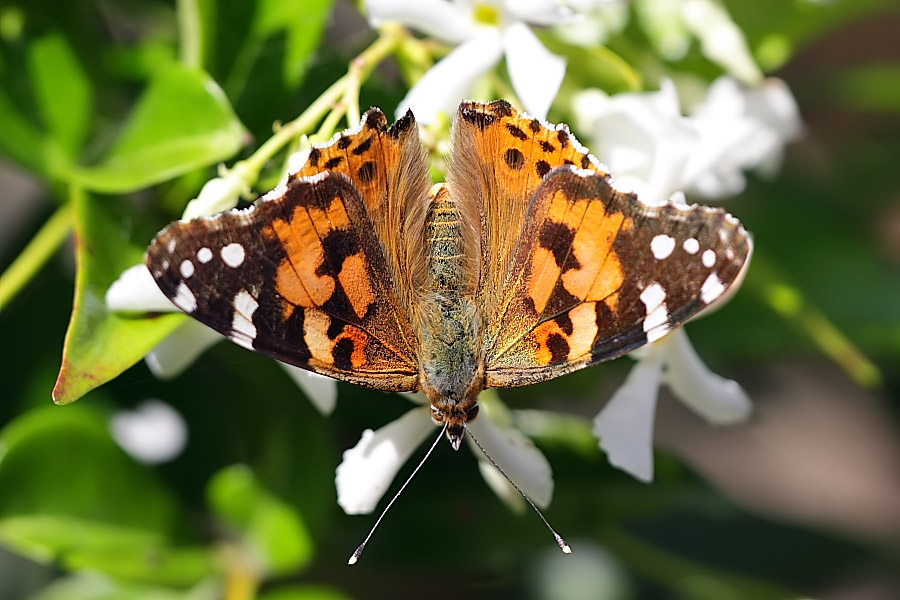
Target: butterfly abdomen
{"points": [[444, 244], [448, 331]]}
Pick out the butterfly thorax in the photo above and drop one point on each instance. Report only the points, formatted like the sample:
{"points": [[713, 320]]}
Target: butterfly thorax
{"points": [[451, 368]]}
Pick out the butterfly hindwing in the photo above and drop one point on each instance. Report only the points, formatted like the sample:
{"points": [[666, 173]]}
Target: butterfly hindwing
{"points": [[299, 276], [597, 274]]}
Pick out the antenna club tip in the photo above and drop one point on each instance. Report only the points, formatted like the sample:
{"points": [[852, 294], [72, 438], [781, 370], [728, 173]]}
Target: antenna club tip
{"points": [[562, 544], [353, 559]]}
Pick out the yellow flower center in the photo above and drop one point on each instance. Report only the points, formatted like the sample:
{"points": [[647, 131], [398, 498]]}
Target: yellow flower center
{"points": [[485, 14]]}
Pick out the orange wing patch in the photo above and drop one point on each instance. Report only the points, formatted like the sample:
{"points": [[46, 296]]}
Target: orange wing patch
{"points": [[311, 288], [499, 158], [389, 168]]}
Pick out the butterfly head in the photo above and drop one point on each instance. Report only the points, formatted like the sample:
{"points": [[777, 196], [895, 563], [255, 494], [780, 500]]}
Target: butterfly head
{"points": [[456, 418]]}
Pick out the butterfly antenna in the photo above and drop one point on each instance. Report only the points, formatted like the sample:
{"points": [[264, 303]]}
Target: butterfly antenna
{"points": [[559, 540], [355, 556]]}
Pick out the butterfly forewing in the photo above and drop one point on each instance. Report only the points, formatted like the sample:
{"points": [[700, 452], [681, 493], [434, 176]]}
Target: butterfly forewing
{"points": [[388, 166], [499, 157], [299, 276], [597, 274]]}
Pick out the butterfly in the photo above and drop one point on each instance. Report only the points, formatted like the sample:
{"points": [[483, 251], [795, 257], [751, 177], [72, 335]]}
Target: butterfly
{"points": [[527, 264]]}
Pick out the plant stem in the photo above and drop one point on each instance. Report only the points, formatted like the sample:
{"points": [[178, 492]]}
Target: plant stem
{"points": [[788, 302], [190, 33], [361, 67], [41, 247]]}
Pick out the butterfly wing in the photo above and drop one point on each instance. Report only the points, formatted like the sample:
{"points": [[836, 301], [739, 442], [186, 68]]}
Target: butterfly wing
{"points": [[499, 157], [389, 167], [597, 274], [312, 274]]}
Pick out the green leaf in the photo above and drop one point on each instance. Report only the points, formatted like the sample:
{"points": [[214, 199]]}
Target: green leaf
{"points": [[181, 122], [304, 592], [21, 139], [93, 586], [62, 91], [302, 23], [91, 505], [100, 344], [269, 526]]}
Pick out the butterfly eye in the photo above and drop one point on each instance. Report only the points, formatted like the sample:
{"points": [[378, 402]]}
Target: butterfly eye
{"points": [[437, 415], [472, 413]]}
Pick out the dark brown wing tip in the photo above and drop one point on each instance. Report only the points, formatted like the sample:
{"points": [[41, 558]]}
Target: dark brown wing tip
{"points": [[403, 124], [374, 119]]}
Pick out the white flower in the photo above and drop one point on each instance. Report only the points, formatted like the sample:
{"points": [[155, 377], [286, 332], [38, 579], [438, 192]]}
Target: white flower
{"points": [[136, 291], [152, 433], [740, 128], [651, 148], [625, 425], [482, 32], [670, 23], [656, 151], [641, 136], [368, 468]]}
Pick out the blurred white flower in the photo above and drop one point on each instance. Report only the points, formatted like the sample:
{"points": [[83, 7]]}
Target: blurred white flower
{"points": [[671, 23], [152, 433], [602, 18], [135, 291], [641, 136], [625, 425], [483, 32], [653, 149], [368, 468], [740, 128]]}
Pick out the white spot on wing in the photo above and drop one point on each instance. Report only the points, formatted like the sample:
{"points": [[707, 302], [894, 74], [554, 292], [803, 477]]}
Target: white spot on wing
{"points": [[171, 245], [708, 258], [662, 246], [243, 331], [712, 288], [184, 298], [656, 323], [691, 245], [233, 255], [204, 255], [187, 269]]}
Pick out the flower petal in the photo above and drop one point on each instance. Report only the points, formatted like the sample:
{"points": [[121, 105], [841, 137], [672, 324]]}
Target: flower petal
{"points": [[180, 349], [641, 137], [721, 40], [540, 12], [625, 425], [136, 291], [519, 458], [535, 72], [368, 468], [450, 80], [446, 21], [321, 390], [218, 194], [152, 433], [720, 401]]}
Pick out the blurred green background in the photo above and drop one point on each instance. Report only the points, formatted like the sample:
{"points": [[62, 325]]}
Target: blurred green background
{"points": [[96, 109]]}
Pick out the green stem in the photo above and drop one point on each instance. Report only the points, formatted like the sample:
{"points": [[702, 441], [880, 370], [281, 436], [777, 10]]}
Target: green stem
{"points": [[390, 37], [190, 33], [788, 302], [36, 253], [351, 93]]}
